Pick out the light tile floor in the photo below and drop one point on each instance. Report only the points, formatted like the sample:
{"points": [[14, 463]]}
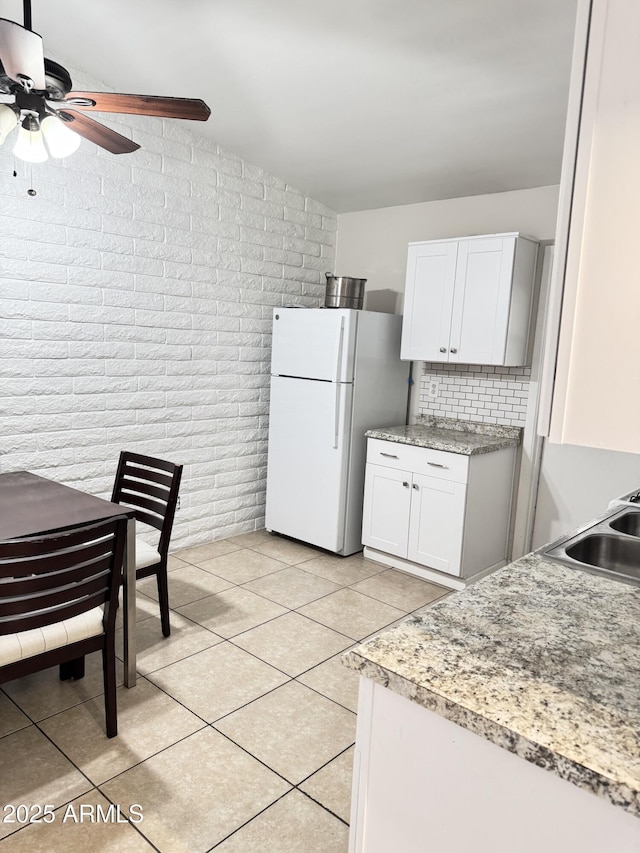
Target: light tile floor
{"points": [[239, 734]]}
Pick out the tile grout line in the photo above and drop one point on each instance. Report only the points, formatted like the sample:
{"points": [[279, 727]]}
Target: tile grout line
{"points": [[253, 817], [230, 641], [133, 825], [318, 803], [95, 785], [204, 726], [294, 785]]}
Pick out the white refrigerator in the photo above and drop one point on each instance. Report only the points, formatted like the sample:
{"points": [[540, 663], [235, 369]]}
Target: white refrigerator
{"points": [[335, 373]]}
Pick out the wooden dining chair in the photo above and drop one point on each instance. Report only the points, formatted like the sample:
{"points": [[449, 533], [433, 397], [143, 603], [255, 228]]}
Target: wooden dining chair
{"points": [[150, 486], [58, 601]]}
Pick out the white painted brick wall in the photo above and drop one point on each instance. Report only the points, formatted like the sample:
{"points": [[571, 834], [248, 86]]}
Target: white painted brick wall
{"points": [[136, 295], [494, 395]]}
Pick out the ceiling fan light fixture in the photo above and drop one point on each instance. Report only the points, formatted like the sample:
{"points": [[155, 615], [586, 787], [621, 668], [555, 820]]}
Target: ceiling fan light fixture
{"points": [[42, 90], [30, 142], [8, 120], [61, 141]]}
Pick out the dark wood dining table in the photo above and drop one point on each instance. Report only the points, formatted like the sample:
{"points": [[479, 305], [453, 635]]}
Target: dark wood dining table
{"points": [[30, 504]]}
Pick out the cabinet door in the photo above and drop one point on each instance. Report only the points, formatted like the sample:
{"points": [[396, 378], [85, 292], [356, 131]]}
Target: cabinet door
{"points": [[426, 324], [481, 301], [436, 523], [595, 397], [385, 519]]}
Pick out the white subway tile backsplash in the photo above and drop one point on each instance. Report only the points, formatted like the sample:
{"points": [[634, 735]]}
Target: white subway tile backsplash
{"points": [[487, 394]]}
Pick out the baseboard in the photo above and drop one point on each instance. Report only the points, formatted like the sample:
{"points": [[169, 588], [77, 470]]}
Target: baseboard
{"points": [[427, 574]]}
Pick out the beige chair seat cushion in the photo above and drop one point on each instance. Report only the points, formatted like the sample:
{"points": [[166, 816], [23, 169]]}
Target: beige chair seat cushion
{"points": [[26, 644], [146, 555]]}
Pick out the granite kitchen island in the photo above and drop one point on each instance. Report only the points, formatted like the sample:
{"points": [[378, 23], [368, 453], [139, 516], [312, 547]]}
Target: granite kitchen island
{"points": [[505, 718]]}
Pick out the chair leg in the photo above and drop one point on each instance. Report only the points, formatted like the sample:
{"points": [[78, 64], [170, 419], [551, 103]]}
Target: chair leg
{"points": [[72, 669], [110, 705], [163, 598]]}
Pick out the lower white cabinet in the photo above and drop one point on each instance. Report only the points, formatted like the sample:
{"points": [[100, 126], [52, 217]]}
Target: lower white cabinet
{"points": [[436, 522], [432, 510], [387, 506], [423, 784]]}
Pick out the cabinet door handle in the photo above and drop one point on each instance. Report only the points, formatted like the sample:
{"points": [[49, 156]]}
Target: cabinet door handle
{"points": [[405, 484], [443, 349], [388, 455], [454, 349], [416, 487], [437, 465]]}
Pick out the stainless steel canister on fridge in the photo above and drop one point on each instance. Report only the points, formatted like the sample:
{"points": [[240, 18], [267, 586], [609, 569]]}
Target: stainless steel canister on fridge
{"points": [[344, 292]]}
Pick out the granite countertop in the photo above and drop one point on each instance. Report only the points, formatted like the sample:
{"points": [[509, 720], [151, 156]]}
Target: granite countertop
{"points": [[540, 659], [464, 437]]}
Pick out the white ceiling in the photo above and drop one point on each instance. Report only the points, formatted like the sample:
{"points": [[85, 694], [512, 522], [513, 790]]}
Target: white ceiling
{"points": [[360, 103]]}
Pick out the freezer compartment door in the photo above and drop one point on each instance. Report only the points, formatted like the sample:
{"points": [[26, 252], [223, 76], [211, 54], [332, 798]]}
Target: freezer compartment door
{"points": [[314, 343], [308, 460]]}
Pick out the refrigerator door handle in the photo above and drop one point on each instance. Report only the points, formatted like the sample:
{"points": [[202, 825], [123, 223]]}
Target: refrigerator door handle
{"points": [[339, 351], [336, 411]]}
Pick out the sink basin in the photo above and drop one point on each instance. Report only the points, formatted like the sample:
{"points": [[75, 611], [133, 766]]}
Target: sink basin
{"points": [[608, 552], [628, 522], [609, 547]]}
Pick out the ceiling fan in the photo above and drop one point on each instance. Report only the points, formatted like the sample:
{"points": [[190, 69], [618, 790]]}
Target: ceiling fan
{"points": [[39, 97]]}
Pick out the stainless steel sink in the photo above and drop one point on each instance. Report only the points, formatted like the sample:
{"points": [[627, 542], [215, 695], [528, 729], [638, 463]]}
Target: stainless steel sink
{"points": [[609, 547], [628, 522]]}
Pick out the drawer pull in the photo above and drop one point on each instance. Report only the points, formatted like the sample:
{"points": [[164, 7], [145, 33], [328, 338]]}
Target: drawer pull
{"points": [[388, 455], [437, 465]]}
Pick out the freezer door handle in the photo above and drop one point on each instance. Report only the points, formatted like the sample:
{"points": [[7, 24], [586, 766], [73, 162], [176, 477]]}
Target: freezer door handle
{"points": [[339, 351], [336, 420]]}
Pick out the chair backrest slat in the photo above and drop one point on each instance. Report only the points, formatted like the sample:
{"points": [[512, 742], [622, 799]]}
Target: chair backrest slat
{"points": [[32, 545], [150, 486], [47, 578], [156, 509], [140, 487], [36, 564], [149, 473], [29, 622], [55, 579], [57, 598]]}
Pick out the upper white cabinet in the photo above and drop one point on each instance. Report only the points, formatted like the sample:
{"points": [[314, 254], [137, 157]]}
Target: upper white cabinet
{"points": [[469, 300], [594, 287]]}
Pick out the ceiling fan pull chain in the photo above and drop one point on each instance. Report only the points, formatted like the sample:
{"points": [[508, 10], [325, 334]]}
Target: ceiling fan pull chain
{"points": [[31, 190], [26, 6]]}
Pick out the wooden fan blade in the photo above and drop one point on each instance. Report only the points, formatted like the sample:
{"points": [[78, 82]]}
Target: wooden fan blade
{"points": [[143, 105], [21, 53], [98, 133]]}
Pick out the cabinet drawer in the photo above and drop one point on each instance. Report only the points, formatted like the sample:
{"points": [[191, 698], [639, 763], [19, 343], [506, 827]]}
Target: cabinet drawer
{"points": [[419, 460]]}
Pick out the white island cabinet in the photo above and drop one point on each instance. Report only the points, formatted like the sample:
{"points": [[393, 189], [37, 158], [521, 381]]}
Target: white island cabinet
{"points": [[504, 718], [426, 785], [468, 301], [440, 515]]}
